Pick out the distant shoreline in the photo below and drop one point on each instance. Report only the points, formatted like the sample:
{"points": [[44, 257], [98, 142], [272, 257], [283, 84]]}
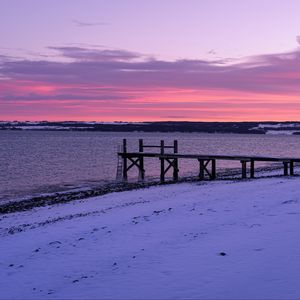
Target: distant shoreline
{"points": [[289, 128]]}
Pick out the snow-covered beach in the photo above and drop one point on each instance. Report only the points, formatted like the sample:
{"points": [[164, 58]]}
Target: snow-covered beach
{"points": [[211, 240]]}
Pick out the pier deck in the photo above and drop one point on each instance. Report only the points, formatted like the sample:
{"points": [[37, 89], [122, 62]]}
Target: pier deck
{"points": [[207, 163]]}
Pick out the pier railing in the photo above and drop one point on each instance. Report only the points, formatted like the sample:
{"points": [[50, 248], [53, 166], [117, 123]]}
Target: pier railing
{"points": [[207, 163]]}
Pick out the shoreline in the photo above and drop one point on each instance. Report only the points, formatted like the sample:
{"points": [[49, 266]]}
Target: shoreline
{"points": [[115, 187]]}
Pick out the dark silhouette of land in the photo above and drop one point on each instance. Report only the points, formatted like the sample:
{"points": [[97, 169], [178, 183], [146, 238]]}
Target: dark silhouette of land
{"points": [[171, 126]]}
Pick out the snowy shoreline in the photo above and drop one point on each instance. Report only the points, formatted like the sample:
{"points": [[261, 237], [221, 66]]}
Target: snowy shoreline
{"points": [[220, 240], [46, 199]]}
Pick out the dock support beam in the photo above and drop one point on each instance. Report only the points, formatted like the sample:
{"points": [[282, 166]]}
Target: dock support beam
{"points": [[213, 169], [172, 162], [124, 160], [244, 169], [162, 161], [285, 168], [141, 169], [288, 168], [291, 168], [175, 162], [162, 170], [252, 168], [141, 162], [201, 170], [203, 164], [135, 161]]}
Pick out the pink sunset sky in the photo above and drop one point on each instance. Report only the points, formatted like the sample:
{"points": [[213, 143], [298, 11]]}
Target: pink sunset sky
{"points": [[140, 60]]}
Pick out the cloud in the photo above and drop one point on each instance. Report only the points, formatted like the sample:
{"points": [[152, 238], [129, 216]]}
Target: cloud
{"points": [[121, 78], [212, 52], [41, 97], [271, 73], [90, 54], [88, 24]]}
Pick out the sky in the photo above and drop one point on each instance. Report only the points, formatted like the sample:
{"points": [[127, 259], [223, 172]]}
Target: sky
{"points": [[140, 60]]}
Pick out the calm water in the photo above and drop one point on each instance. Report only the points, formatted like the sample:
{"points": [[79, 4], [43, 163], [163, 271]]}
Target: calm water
{"points": [[41, 162]]}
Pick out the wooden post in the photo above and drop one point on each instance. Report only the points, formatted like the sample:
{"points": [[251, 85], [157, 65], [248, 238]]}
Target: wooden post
{"points": [[141, 160], [201, 169], [141, 145], [175, 167], [162, 170], [244, 169], [124, 160], [162, 161], [285, 168], [162, 147], [175, 146], [124, 145], [213, 169], [292, 168], [141, 168], [252, 168]]}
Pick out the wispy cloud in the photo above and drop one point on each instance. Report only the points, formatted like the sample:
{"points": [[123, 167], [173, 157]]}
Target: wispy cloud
{"points": [[271, 73], [88, 24], [95, 55], [129, 82]]}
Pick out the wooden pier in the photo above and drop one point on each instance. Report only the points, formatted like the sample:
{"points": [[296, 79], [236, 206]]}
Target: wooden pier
{"points": [[207, 163]]}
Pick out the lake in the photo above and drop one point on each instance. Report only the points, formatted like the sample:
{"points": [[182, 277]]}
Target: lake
{"points": [[37, 162]]}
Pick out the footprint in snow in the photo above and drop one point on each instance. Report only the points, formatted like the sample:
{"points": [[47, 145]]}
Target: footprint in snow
{"points": [[255, 225], [290, 202], [55, 243]]}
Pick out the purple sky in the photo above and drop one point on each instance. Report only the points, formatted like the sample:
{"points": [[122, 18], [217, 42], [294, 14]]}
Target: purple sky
{"points": [[146, 60]]}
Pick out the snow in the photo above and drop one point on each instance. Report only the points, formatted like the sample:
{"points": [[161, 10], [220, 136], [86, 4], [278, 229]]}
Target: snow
{"points": [[46, 127], [279, 128], [279, 125], [157, 243], [282, 132]]}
